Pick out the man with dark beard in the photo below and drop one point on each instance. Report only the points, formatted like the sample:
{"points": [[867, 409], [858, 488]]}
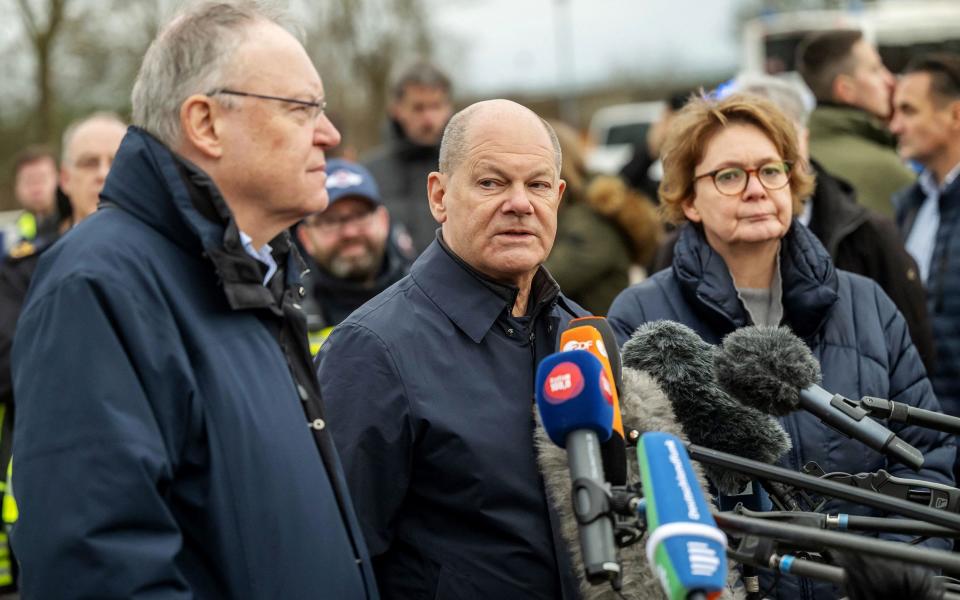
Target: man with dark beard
{"points": [[348, 243]]}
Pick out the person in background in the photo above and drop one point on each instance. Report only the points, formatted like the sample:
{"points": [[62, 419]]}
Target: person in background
{"points": [[637, 171], [603, 229], [170, 440], [89, 145], [420, 106], [858, 239], [35, 190], [430, 383], [926, 120], [734, 179], [348, 245], [848, 133]]}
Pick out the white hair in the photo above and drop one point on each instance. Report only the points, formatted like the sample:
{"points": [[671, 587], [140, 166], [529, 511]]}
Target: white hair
{"points": [[71, 130], [790, 95], [191, 56]]}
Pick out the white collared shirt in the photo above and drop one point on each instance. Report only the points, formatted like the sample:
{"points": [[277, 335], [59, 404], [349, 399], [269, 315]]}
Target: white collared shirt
{"points": [[263, 255], [923, 235]]}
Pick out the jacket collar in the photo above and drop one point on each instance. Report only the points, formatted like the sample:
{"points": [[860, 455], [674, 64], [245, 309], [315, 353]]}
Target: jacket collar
{"points": [[835, 209], [830, 118], [178, 199], [471, 300], [808, 277]]}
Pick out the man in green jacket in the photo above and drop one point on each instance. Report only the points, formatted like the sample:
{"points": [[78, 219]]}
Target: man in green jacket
{"points": [[848, 132]]}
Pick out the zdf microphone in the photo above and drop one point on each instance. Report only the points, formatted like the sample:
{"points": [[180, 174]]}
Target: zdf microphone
{"points": [[685, 548], [575, 400], [594, 335]]}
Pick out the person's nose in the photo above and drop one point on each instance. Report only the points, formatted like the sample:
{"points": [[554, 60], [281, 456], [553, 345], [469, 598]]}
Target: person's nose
{"points": [[325, 134], [518, 202], [896, 123], [754, 189]]}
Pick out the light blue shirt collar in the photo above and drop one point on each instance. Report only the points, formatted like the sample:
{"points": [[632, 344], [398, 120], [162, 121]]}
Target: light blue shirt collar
{"points": [[923, 235], [264, 255]]}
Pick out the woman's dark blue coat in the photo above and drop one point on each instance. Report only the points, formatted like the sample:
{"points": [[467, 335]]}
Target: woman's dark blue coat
{"points": [[854, 330]]}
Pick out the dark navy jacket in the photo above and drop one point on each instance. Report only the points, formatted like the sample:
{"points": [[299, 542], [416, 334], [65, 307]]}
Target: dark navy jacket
{"points": [[429, 388], [161, 446], [854, 330], [943, 287]]}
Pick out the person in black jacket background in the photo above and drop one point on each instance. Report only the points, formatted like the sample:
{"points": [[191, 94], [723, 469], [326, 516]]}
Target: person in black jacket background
{"points": [[419, 108], [348, 244]]}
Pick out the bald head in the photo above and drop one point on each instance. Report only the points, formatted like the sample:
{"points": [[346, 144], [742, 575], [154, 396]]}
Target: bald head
{"points": [[456, 136], [89, 146]]}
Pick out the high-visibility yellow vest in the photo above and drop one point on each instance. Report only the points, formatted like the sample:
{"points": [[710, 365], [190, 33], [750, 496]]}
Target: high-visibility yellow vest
{"points": [[27, 225]]}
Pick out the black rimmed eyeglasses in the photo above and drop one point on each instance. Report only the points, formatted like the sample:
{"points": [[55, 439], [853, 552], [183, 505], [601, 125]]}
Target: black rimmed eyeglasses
{"points": [[731, 181], [315, 107]]}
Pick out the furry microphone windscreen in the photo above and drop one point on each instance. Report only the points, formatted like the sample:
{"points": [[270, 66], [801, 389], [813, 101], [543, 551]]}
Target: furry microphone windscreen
{"points": [[682, 365], [766, 367], [645, 408]]}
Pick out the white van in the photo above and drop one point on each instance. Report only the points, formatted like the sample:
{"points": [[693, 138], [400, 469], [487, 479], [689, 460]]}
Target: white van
{"points": [[899, 28], [615, 129]]}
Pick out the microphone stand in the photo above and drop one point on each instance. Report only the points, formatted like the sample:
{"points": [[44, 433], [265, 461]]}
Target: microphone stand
{"points": [[806, 536], [898, 412], [761, 470], [845, 522]]}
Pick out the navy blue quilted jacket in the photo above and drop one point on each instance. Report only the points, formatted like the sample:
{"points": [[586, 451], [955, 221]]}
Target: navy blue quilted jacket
{"points": [[943, 288], [853, 329]]}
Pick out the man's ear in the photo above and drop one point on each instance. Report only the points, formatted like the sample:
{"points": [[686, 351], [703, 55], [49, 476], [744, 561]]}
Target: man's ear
{"points": [[201, 126], [437, 195], [690, 211], [843, 89], [561, 188], [955, 115]]}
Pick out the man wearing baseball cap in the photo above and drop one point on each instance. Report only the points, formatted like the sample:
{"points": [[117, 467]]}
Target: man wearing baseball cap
{"points": [[349, 245]]}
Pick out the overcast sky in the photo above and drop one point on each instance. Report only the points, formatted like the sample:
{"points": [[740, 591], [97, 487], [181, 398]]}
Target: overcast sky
{"points": [[511, 45]]}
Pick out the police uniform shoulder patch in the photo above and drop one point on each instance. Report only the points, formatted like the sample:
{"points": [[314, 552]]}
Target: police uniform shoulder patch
{"points": [[22, 250]]}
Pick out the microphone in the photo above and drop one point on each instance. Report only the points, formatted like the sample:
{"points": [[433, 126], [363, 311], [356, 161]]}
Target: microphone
{"points": [[681, 363], [772, 370], [575, 401], [594, 335], [685, 547]]}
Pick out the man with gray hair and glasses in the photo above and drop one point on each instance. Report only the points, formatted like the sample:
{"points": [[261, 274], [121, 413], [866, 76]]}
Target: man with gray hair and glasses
{"points": [[170, 439]]}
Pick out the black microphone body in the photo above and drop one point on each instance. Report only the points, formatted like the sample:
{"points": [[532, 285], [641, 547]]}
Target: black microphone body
{"points": [[898, 412], [847, 417], [590, 505], [772, 370]]}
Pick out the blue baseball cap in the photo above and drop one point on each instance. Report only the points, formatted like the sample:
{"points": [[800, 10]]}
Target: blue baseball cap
{"points": [[346, 179]]}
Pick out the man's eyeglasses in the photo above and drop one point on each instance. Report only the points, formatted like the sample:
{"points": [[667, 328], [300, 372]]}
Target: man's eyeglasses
{"points": [[731, 181], [315, 108], [329, 223]]}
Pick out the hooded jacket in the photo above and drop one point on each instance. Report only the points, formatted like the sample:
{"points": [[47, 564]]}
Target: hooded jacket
{"points": [[161, 445], [943, 287], [853, 329], [854, 145]]}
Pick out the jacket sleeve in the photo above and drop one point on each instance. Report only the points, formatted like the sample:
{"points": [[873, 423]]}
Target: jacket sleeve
{"points": [[586, 249], [92, 468], [626, 314], [897, 274], [368, 414], [909, 384]]}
